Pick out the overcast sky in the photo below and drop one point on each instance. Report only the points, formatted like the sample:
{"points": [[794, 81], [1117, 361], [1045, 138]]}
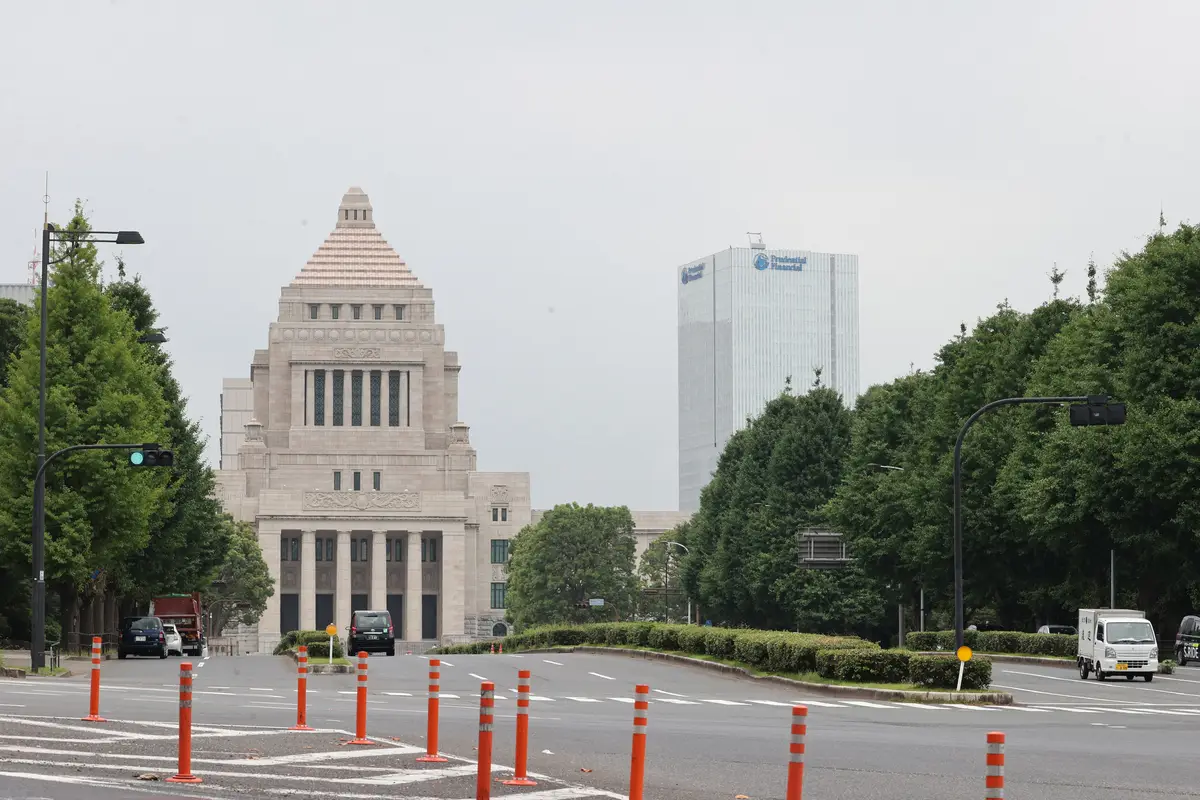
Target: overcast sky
{"points": [[545, 167]]}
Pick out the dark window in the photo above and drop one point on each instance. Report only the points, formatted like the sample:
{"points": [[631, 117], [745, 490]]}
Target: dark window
{"points": [[283, 550], [504, 515], [399, 311], [320, 550], [498, 591], [424, 549], [499, 551], [347, 213], [376, 390], [295, 549], [313, 311], [499, 629], [376, 479], [339, 396], [399, 545], [495, 515], [329, 549], [318, 397], [356, 213], [356, 397], [362, 549], [353, 551], [394, 398], [432, 551], [334, 310], [358, 481], [357, 311], [368, 619], [141, 623], [378, 312], [337, 481], [389, 549]]}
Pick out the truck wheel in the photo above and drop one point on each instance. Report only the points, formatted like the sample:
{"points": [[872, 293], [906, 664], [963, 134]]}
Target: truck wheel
{"points": [[1149, 676], [1084, 669], [1099, 675]]}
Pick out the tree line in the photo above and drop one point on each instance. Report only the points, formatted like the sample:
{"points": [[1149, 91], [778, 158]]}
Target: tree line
{"points": [[115, 536], [1044, 503]]}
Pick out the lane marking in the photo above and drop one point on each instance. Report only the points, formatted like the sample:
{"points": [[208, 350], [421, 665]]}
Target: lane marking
{"points": [[555, 663], [819, 704], [1126, 711], [926, 706], [1020, 708], [12, 705], [865, 704], [770, 703], [1074, 710], [397, 694], [1090, 700], [717, 702], [260, 690], [598, 675], [672, 694], [622, 699], [446, 664], [202, 663], [679, 702], [965, 707], [477, 677], [584, 699], [1099, 683]]}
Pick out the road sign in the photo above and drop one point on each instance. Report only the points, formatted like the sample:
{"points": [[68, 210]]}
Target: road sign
{"points": [[331, 629], [964, 653], [596, 601]]}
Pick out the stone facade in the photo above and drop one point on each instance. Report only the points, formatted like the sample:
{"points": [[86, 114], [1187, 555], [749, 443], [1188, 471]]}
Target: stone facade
{"points": [[354, 467]]}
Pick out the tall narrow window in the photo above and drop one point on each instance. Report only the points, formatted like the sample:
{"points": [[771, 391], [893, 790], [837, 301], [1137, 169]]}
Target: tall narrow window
{"points": [[318, 397], [376, 480], [335, 310], [356, 397], [378, 312], [362, 550], [499, 551], [433, 550], [498, 592], [504, 515], [339, 396], [394, 398], [357, 311], [353, 550], [389, 550], [495, 514], [399, 545], [295, 549], [329, 549], [376, 399], [283, 550], [399, 311], [313, 311], [320, 550], [358, 481], [337, 481], [424, 549]]}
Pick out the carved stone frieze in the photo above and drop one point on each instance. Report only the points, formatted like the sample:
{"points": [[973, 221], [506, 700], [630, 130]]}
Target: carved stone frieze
{"points": [[499, 494], [499, 572], [362, 501], [356, 352]]}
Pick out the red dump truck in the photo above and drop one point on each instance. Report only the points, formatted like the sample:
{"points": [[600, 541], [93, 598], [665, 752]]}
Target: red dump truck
{"points": [[185, 613]]}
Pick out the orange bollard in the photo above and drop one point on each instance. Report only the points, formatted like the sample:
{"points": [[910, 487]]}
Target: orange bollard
{"points": [[519, 777], [185, 727], [795, 779], [431, 732], [94, 703], [502, 648], [302, 690], [360, 726], [995, 765], [487, 705], [637, 764]]}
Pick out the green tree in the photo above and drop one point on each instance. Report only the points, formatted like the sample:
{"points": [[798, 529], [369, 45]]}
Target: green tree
{"points": [[14, 322], [100, 389], [573, 554], [659, 567], [243, 584], [187, 544]]}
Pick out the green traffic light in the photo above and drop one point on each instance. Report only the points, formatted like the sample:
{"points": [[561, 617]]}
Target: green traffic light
{"points": [[136, 458]]}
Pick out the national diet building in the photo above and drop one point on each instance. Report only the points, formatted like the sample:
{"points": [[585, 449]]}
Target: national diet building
{"points": [[345, 450]]}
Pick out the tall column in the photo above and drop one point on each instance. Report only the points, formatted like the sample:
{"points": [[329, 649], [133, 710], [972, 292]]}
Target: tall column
{"points": [[297, 410], [416, 400], [309, 397], [454, 579], [308, 580], [379, 571], [268, 624], [342, 611], [412, 589]]}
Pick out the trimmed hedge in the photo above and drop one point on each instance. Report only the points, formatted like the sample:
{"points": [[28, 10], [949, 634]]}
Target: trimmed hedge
{"points": [[772, 651], [941, 672], [864, 666], [317, 643], [1039, 644]]}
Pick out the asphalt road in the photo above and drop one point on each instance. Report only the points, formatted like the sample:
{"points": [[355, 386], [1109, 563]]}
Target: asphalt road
{"points": [[710, 735]]}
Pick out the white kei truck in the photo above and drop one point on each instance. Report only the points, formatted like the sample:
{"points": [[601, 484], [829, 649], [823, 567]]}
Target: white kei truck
{"points": [[1116, 641]]}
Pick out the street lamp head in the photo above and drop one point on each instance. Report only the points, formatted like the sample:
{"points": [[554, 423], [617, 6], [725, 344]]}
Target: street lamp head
{"points": [[152, 338], [129, 237]]}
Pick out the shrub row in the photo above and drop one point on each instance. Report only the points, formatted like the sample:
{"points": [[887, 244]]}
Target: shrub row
{"points": [[1040, 644], [902, 666], [317, 643], [773, 651]]}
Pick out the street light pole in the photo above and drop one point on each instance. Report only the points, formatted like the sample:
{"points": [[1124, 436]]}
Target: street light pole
{"points": [[669, 543], [1091, 416], [37, 646]]}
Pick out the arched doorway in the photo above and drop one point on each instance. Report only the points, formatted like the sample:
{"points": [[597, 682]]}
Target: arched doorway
{"points": [[499, 629]]}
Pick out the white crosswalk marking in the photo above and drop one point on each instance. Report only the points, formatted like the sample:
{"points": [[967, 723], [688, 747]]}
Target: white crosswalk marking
{"points": [[718, 702], [584, 699], [1074, 710], [819, 704], [672, 694], [618, 699], [677, 701], [865, 704], [770, 703]]}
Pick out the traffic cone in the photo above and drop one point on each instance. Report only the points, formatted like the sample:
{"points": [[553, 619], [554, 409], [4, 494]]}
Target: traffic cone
{"points": [[492, 649], [502, 648]]}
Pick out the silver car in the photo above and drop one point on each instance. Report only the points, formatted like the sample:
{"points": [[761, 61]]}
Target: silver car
{"points": [[174, 640]]}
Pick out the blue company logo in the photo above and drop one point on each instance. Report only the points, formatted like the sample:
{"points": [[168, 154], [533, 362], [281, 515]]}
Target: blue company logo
{"points": [[692, 273], [788, 263]]}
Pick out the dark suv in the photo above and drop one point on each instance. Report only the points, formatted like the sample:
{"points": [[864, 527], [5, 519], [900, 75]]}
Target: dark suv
{"points": [[142, 636], [371, 631], [1187, 641]]}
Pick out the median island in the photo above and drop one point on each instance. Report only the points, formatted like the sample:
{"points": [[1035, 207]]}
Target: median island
{"points": [[841, 665], [317, 645]]}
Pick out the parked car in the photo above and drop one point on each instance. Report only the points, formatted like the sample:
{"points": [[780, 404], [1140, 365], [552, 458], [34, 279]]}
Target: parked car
{"points": [[142, 636], [1064, 629], [1187, 640], [174, 640], [371, 631]]}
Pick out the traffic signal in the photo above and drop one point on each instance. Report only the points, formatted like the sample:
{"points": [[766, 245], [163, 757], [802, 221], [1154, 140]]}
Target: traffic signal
{"points": [[1098, 411], [151, 455]]}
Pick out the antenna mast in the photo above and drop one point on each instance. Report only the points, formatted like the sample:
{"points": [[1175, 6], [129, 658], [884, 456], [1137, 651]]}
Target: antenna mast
{"points": [[35, 263]]}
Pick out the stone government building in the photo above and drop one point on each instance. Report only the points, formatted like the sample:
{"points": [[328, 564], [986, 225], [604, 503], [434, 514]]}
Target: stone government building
{"points": [[345, 450]]}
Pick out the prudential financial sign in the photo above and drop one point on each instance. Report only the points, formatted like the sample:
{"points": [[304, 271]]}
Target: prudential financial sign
{"points": [[692, 273], [764, 261]]}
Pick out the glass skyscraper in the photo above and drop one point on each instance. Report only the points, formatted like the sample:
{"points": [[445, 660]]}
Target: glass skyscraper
{"points": [[748, 319]]}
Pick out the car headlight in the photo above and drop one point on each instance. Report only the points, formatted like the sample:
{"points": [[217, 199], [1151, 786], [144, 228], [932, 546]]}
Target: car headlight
{"points": [[1110, 653]]}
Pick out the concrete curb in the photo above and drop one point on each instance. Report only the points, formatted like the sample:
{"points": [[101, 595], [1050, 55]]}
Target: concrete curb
{"points": [[12, 672], [861, 692], [317, 668]]}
